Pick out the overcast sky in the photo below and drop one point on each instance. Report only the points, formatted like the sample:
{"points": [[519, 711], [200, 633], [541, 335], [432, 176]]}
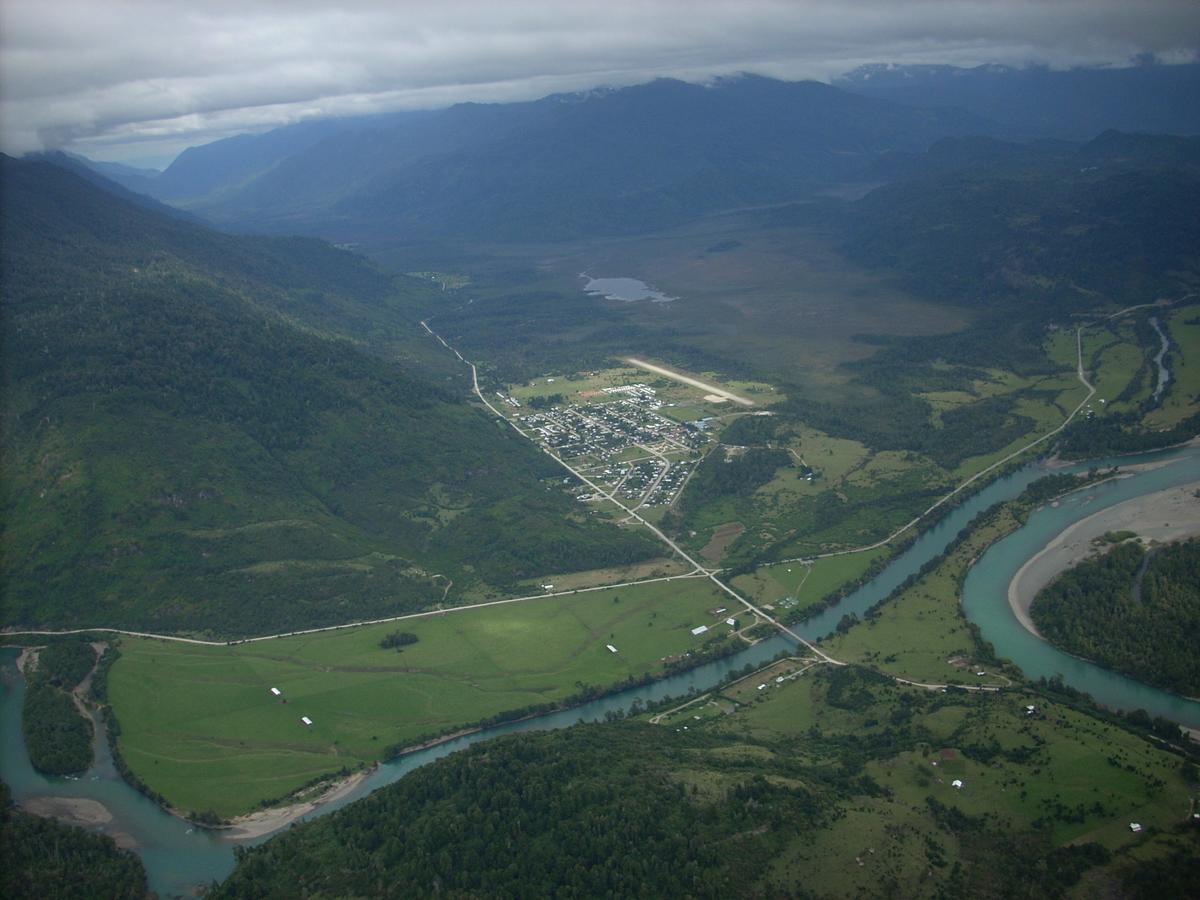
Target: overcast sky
{"points": [[139, 80]]}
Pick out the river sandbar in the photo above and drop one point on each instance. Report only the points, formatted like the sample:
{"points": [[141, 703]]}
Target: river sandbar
{"points": [[1168, 515], [259, 824], [81, 812]]}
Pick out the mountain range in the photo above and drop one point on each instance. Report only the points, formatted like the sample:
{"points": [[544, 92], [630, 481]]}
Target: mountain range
{"points": [[642, 158], [601, 162], [225, 435]]}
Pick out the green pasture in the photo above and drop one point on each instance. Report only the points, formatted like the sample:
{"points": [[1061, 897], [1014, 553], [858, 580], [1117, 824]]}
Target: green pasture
{"points": [[917, 634], [833, 457], [571, 385], [199, 725], [1116, 366], [1182, 397], [1047, 407], [1060, 774], [806, 583]]}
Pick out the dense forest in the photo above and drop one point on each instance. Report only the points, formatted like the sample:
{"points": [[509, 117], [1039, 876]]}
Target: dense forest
{"points": [[41, 859], [57, 736], [727, 473], [728, 809], [980, 222], [1117, 433], [581, 813], [1133, 610], [195, 441]]}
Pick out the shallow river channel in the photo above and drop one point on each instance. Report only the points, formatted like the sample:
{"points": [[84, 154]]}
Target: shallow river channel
{"points": [[180, 858]]}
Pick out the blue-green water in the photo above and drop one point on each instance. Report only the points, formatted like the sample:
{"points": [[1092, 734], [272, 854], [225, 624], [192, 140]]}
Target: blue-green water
{"points": [[179, 858], [985, 597]]}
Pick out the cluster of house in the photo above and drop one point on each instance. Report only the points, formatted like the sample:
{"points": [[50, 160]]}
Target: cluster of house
{"points": [[602, 429]]}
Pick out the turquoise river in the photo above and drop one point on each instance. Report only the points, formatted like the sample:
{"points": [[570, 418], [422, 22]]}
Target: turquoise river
{"points": [[180, 859]]}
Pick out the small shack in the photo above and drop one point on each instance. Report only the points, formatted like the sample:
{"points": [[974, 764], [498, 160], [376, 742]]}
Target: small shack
{"points": [[306, 720], [1135, 827], [957, 784], [611, 648], [276, 692]]}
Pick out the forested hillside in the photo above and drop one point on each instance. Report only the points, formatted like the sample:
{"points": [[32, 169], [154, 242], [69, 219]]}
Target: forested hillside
{"points": [[1138, 615], [200, 433], [976, 223], [41, 859]]}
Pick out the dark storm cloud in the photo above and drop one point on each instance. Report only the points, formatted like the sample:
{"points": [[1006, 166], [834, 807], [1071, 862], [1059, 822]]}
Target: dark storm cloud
{"points": [[108, 77]]}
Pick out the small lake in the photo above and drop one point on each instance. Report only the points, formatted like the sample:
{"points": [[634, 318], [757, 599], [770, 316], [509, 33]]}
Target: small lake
{"points": [[629, 290], [179, 858]]}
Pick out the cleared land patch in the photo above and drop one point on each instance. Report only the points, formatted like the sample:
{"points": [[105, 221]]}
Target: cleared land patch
{"points": [[200, 726], [687, 379], [793, 587]]}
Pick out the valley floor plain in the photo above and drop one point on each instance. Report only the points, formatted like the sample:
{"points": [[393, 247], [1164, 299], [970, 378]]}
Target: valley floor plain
{"points": [[200, 726]]}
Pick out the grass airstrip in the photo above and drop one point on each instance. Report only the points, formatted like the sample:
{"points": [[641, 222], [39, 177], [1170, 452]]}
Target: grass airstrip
{"points": [[200, 725]]}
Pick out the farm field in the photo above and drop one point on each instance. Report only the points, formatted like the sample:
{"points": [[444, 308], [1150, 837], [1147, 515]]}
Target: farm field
{"points": [[1182, 397], [928, 780], [199, 725], [1021, 776], [922, 634], [805, 584]]}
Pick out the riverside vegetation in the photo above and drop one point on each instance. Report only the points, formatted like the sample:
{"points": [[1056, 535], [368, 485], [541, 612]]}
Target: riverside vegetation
{"points": [[825, 781], [837, 783], [1133, 610], [41, 859], [57, 736]]}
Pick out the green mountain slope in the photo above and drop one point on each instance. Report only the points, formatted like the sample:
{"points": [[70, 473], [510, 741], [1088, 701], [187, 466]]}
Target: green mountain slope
{"points": [[195, 438]]}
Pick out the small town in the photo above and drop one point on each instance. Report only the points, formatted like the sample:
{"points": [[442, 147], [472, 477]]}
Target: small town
{"points": [[621, 442]]}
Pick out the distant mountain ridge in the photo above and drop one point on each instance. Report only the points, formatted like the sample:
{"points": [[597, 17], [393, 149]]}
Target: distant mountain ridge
{"points": [[1038, 102], [600, 162]]}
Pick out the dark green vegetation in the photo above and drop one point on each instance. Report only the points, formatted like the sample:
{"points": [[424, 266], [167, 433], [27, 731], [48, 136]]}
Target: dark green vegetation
{"points": [[41, 859], [724, 473], [1120, 434], [606, 162], [1133, 610], [581, 813], [200, 433], [1052, 226], [835, 784], [57, 736], [398, 640]]}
